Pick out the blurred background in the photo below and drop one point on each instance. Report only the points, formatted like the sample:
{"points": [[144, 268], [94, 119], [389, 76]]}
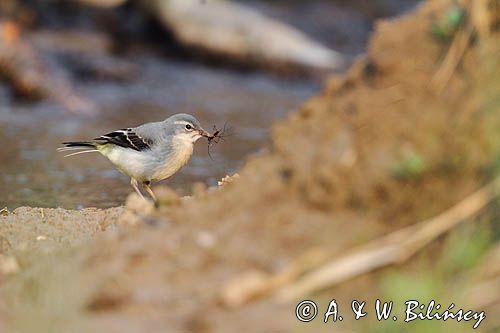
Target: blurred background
{"points": [[72, 70], [368, 154]]}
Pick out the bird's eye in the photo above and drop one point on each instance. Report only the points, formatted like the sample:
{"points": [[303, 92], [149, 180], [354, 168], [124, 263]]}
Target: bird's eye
{"points": [[188, 126]]}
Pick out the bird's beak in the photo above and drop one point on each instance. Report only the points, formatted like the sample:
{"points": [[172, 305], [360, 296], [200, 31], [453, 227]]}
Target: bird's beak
{"points": [[204, 133]]}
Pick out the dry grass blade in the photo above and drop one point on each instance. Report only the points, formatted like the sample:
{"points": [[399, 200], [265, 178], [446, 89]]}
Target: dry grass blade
{"points": [[452, 59], [391, 249], [394, 248], [484, 15]]}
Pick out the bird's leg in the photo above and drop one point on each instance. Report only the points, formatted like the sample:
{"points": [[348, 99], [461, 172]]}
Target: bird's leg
{"points": [[147, 186], [133, 182]]}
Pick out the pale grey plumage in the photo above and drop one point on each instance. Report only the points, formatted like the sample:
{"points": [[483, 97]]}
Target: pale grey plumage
{"points": [[149, 152], [162, 130]]}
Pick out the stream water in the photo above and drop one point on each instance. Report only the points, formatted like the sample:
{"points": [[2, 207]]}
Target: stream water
{"points": [[33, 173]]}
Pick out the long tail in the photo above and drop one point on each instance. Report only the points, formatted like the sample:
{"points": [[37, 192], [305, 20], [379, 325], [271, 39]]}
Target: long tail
{"points": [[77, 145]]}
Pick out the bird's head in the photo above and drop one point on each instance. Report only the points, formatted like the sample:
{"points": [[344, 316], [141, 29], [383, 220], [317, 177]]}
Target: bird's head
{"points": [[186, 127]]}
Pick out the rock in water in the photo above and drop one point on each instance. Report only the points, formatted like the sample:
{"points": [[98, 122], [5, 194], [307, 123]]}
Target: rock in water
{"points": [[233, 30]]}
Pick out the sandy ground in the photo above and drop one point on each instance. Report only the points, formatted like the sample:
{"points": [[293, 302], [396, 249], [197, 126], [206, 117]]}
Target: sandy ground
{"points": [[378, 149]]}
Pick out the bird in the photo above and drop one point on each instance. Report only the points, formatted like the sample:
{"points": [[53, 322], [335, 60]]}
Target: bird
{"points": [[147, 153]]}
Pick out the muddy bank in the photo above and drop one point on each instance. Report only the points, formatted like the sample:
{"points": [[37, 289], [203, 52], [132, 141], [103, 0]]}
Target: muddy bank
{"points": [[384, 146]]}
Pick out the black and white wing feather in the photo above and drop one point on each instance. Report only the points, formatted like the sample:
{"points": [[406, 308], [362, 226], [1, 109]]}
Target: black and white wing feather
{"points": [[126, 138]]}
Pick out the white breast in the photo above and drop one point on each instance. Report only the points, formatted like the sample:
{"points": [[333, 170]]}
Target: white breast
{"points": [[177, 156]]}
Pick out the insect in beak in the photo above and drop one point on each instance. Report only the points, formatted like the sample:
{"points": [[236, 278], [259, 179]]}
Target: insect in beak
{"points": [[217, 136]]}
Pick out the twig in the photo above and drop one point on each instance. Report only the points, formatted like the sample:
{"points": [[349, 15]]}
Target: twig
{"points": [[452, 59], [394, 248]]}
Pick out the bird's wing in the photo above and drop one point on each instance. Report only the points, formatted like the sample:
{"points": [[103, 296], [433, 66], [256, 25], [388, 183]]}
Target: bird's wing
{"points": [[126, 138]]}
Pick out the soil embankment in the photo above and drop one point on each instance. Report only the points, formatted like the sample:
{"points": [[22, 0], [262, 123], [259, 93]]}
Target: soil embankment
{"points": [[392, 142]]}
